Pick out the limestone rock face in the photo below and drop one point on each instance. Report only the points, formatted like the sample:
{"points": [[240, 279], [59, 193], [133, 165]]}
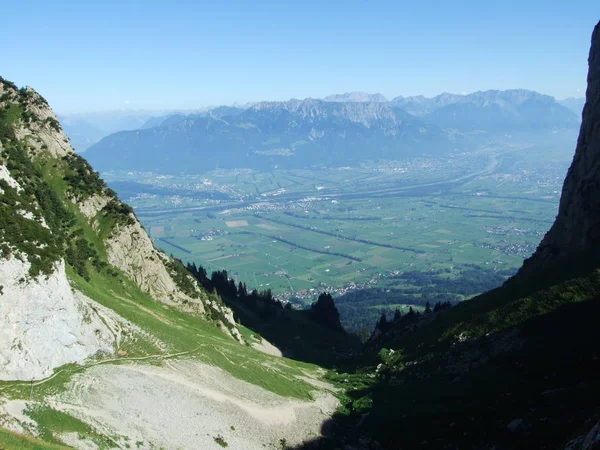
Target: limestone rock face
{"points": [[42, 135], [90, 206], [45, 324], [131, 250], [5, 175], [577, 226]]}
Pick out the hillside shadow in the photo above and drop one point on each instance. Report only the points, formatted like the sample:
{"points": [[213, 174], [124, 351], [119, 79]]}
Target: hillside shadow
{"points": [[313, 336], [299, 337], [539, 393]]}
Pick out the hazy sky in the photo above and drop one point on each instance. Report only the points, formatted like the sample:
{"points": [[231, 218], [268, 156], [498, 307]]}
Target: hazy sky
{"points": [[84, 55]]}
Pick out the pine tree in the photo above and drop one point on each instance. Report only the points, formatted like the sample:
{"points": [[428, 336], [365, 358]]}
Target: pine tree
{"points": [[427, 308], [325, 312]]}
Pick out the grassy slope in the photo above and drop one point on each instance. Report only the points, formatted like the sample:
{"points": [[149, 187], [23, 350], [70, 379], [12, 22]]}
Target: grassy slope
{"points": [[15, 441]]}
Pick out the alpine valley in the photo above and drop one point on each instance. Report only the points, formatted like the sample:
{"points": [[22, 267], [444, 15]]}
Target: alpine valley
{"points": [[421, 204]]}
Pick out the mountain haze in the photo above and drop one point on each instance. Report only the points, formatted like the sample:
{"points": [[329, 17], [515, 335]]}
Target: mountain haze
{"points": [[491, 111], [85, 129], [574, 104], [356, 97], [293, 134], [338, 131]]}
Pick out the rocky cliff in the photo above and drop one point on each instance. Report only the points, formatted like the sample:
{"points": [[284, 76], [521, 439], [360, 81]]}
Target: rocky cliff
{"points": [[577, 226], [62, 229], [43, 322]]}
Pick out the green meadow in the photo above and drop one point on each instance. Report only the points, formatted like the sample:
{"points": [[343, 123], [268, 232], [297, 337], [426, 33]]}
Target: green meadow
{"points": [[328, 229]]}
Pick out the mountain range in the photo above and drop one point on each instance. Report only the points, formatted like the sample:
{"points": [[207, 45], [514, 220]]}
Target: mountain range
{"points": [[574, 104], [337, 131], [496, 111], [86, 128], [297, 133], [356, 97]]}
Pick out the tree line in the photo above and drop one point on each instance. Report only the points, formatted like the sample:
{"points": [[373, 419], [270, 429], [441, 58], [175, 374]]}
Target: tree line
{"points": [[262, 303]]}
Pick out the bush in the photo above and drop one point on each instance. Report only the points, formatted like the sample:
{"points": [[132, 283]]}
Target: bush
{"points": [[52, 123], [119, 212], [82, 179], [182, 278]]}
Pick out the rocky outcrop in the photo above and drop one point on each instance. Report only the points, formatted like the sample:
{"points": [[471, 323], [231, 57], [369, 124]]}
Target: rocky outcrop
{"points": [[588, 441], [44, 133], [45, 324], [577, 226], [90, 206], [5, 175], [131, 250]]}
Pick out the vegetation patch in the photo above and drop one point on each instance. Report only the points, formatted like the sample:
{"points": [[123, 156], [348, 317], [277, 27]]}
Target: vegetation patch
{"points": [[10, 441], [51, 423], [21, 214], [219, 440], [182, 278], [118, 213], [82, 180]]}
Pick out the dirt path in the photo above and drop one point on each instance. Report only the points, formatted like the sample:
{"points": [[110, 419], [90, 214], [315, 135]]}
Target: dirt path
{"points": [[160, 356]]}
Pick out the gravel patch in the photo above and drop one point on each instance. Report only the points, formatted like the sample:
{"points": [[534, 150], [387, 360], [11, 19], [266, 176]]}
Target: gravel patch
{"points": [[186, 405], [268, 348]]}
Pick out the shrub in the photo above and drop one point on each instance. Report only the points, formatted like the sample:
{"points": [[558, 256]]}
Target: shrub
{"points": [[82, 179], [182, 278], [52, 123], [219, 440], [119, 212]]}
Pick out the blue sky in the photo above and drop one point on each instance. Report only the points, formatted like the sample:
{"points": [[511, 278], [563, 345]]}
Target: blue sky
{"points": [[85, 56]]}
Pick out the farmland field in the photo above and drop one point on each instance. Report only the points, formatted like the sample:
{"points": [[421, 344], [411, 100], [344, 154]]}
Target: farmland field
{"points": [[298, 232]]}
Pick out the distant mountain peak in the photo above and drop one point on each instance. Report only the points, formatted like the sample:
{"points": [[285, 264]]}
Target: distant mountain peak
{"points": [[575, 104], [316, 110], [490, 111], [357, 96], [420, 105]]}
